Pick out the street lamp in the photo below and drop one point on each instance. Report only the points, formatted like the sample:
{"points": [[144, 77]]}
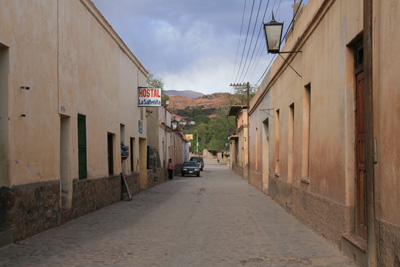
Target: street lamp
{"points": [[273, 35], [174, 125]]}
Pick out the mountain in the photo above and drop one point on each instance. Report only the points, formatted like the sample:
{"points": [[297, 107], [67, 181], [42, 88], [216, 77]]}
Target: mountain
{"points": [[186, 93], [187, 108]]}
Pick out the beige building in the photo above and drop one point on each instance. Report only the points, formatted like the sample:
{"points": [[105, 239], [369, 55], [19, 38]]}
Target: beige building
{"points": [[238, 144], [310, 142], [68, 100], [169, 144]]}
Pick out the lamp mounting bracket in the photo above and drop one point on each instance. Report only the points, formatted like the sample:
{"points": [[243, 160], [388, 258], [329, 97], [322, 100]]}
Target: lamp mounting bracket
{"points": [[268, 110], [289, 52]]}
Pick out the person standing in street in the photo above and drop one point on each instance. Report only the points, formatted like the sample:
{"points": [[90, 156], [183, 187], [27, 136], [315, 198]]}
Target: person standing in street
{"points": [[170, 169]]}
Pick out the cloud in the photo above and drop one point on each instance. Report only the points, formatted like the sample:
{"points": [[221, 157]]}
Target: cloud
{"points": [[190, 44]]}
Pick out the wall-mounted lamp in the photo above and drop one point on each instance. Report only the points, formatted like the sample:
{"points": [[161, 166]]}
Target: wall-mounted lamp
{"points": [[174, 125], [273, 37]]}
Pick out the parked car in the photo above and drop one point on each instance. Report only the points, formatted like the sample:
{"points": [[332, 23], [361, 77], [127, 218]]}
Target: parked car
{"points": [[190, 167], [199, 160]]}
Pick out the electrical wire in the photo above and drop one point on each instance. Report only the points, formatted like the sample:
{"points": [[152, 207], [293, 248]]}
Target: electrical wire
{"points": [[269, 65], [290, 25], [258, 37], [251, 41], [240, 36], [245, 43], [259, 54], [288, 29]]}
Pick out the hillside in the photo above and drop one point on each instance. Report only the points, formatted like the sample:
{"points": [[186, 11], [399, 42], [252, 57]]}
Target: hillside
{"points": [[186, 93], [186, 108]]}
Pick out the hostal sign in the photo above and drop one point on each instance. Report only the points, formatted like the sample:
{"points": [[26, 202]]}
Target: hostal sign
{"points": [[149, 97]]}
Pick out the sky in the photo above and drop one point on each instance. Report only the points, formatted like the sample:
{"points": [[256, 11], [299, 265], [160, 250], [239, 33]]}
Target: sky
{"points": [[197, 45]]}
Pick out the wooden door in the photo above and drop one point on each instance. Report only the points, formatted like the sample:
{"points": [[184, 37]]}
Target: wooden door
{"points": [[361, 208]]}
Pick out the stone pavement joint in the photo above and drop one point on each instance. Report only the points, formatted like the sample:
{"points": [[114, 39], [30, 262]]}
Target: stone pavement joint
{"points": [[217, 219]]}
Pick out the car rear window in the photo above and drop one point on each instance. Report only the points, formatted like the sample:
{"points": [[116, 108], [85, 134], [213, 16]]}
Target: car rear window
{"points": [[188, 163]]}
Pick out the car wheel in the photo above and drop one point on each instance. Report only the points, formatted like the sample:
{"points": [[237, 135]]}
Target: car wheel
{"points": [[183, 175], [198, 175]]}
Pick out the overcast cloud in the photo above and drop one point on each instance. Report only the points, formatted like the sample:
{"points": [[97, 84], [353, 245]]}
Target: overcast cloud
{"points": [[192, 44]]}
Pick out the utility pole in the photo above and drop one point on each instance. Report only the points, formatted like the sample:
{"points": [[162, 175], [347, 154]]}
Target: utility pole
{"points": [[165, 141]]}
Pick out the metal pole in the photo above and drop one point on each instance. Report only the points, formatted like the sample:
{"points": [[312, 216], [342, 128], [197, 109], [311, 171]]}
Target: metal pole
{"points": [[369, 131], [165, 143], [248, 132]]}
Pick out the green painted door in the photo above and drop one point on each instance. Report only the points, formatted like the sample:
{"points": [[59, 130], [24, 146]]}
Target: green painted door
{"points": [[82, 146]]}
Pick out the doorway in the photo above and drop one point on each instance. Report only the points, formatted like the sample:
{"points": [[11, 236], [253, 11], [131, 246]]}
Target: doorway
{"points": [[122, 137], [361, 214], [143, 162], [361, 188], [82, 146], [110, 152], [65, 168], [132, 149], [265, 155], [4, 178]]}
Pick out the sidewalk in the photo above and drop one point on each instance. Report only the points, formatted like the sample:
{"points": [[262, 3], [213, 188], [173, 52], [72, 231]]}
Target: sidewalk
{"points": [[213, 220]]}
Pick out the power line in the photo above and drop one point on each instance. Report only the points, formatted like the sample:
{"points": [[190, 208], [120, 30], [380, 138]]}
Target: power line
{"points": [[240, 36], [270, 63], [277, 10], [259, 54], [295, 14], [258, 37], [281, 41], [244, 47], [251, 41]]}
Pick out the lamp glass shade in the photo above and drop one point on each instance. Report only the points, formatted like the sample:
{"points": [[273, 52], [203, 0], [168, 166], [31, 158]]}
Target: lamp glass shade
{"points": [[273, 35], [174, 125]]}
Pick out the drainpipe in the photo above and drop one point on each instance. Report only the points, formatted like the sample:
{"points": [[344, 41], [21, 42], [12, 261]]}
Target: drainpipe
{"points": [[369, 131]]}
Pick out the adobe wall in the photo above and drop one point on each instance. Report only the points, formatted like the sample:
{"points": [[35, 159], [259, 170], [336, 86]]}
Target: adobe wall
{"points": [[155, 177], [56, 55], [33, 208], [327, 163], [326, 217], [386, 108]]}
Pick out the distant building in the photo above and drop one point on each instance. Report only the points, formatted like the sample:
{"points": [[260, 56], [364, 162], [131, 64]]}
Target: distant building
{"points": [[68, 102], [169, 144], [238, 144]]}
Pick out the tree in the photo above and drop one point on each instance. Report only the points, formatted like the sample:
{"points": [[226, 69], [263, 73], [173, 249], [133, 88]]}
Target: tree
{"points": [[239, 97], [155, 82], [201, 119], [220, 128]]}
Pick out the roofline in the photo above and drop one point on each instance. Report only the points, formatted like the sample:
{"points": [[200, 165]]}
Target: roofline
{"points": [[88, 4]]}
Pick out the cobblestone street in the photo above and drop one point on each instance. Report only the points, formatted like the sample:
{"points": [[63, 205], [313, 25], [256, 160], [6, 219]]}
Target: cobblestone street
{"points": [[213, 220]]}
